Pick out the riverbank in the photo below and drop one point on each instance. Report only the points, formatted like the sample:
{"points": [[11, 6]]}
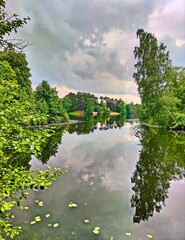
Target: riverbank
{"points": [[53, 124], [82, 114]]}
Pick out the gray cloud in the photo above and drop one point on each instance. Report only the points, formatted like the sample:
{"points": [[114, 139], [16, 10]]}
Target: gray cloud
{"points": [[88, 45]]}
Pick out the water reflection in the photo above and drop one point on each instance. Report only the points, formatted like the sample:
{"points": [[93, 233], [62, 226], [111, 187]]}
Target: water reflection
{"points": [[161, 160], [50, 144], [102, 159]]}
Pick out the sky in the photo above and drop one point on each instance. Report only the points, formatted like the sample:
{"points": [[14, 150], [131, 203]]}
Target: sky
{"points": [[87, 45]]}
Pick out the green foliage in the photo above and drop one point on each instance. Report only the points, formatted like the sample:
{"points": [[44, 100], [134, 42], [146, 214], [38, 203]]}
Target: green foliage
{"points": [[13, 185], [161, 86], [67, 103], [10, 23], [122, 108], [79, 101], [49, 103], [14, 139], [89, 107], [19, 64]]}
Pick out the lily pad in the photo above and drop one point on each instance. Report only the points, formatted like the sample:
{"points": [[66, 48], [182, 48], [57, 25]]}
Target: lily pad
{"points": [[40, 204], [86, 221], [36, 200], [26, 208], [72, 205], [26, 193], [96, 230], [149, 236], [55, 225], [33, 222], [37, 219], [128, 234], [47, 215]]}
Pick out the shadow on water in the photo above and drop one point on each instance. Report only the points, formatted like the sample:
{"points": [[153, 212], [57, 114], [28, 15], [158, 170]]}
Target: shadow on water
{"points": [[161, 160]]}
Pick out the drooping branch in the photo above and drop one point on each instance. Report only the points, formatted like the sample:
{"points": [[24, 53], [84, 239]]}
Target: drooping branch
{"points": [[9, 23]]}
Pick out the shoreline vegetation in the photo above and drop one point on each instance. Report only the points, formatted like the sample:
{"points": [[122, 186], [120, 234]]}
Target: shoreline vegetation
{"points": [[160, 84], [82, 113]]}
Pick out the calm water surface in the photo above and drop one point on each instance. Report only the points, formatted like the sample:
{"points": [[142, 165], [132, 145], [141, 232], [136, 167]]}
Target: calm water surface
{"points": [[124, 179]]}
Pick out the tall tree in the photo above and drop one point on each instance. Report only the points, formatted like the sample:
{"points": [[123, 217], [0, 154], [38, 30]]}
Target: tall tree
{"points": [[152, 64]]}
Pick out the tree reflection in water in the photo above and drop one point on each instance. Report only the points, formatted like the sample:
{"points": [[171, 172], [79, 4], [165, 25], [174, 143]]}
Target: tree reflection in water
{"points": [[50, 144], [161, 159]]}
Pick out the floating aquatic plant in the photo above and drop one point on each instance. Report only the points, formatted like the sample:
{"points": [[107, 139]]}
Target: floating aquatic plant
{"points": [[96, 230], [55, 225], [128, 234], [40, 204], [149, 236], [37, 219], [72, 205]]}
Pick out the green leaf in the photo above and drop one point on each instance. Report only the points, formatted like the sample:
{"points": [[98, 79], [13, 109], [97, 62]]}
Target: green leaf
{"points": [[149, 236], [86, 221], [33, 222], [47, 215], [26, 208]]}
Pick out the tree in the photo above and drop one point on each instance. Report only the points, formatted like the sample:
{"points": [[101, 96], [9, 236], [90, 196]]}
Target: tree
{"points": [[152, 64], [49, 96], [19, 64], [66, 103], [89, 107], [122, 108]]}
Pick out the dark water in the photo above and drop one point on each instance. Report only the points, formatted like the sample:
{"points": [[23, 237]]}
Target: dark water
{"points": [[123, 179]]}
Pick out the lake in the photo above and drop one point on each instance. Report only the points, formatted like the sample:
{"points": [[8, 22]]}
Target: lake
{"points": [[127, 180]]}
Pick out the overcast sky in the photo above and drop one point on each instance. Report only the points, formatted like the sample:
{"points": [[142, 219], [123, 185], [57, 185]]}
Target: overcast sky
{"points": [[87, 45]]}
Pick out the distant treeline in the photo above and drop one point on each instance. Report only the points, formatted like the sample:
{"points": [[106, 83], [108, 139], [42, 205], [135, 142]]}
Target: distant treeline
{"points": [[89, 103], [43, 105]]}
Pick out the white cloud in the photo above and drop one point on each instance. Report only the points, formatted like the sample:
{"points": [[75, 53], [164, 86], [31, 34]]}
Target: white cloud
{"points": [[168, 20]]}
